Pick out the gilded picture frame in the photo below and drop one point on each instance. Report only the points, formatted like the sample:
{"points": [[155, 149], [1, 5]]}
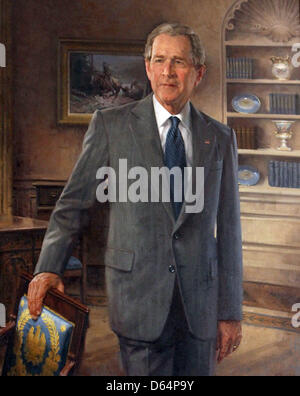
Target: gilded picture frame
{"points": [[97, 75]]}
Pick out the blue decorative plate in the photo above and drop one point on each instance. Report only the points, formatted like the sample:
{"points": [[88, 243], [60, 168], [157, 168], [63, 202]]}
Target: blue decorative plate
{"points": [[248, 175], [246, 103]]}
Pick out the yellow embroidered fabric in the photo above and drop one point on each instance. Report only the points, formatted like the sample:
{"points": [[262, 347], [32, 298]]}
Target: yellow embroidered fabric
{"points": [[40, 347]]}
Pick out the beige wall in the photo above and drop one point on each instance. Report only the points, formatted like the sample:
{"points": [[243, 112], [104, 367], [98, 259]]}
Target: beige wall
{"points": [[44, 150]]}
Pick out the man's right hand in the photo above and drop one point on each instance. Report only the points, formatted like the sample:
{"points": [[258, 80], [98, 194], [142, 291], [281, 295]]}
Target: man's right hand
{"points": [[38, 289]]}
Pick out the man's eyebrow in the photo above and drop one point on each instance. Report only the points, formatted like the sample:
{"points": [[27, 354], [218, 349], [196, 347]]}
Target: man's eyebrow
{"points": [[173, 57]]}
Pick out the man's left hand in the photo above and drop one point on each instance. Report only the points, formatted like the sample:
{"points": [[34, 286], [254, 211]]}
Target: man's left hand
{"points": [[229, 338]]}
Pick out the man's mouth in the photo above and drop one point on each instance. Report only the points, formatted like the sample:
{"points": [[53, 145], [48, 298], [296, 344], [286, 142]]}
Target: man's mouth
{"points": [[169, 85]]}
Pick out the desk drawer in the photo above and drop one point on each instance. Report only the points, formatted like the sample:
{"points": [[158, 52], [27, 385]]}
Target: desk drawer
{"points": [[48, 195], [15, 240]]}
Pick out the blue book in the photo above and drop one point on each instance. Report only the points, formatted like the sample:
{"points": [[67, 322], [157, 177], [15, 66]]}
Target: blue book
{"points": [[239, 68], [228, 67], [290, 174], [250, 63], [290, 106], [295, 175], [287, 104], [276, 173], [294, 104], [285, 174], [234, 68], [271, 101], [271, 175], [243, 70], [277, 103], [281, 174], [281, 104]]}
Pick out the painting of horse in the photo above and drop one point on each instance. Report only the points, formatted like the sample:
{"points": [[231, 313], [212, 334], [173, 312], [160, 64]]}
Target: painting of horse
{"points": [[99, 81]]}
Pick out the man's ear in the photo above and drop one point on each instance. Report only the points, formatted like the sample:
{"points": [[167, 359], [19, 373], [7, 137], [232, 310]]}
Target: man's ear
{"points": [[147, 66], [200, 73]]}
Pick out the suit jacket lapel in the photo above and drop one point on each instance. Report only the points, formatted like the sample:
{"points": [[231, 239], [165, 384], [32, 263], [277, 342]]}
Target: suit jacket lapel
{"points": [[204, 141], [146, 135]]}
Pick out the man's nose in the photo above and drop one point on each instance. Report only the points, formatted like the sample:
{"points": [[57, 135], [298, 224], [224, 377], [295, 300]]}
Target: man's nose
{"points": [[168, 69]]}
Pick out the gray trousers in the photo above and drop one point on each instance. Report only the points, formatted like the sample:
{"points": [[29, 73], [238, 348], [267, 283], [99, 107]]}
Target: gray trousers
{"points": [[175, 353]]}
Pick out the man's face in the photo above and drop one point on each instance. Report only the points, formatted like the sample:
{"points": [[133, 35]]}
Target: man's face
{"points": [[171, 71]]}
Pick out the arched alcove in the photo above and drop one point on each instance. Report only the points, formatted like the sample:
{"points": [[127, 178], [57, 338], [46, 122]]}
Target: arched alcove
{"points": [[277, 20]]}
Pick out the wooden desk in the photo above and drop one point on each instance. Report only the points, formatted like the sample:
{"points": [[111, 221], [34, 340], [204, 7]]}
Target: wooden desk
{"points": [[20, 244], [37, 199]]}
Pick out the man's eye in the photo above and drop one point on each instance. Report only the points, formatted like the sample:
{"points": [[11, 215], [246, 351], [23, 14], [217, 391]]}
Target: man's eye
{"points": [[158, 60]]}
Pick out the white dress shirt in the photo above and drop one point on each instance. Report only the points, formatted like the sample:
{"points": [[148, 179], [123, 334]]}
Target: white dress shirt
{"points": [[163, 123]]}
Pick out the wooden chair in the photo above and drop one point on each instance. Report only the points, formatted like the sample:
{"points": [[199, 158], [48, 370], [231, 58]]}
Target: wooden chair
{"points": [[50, 346], [76, 269]]}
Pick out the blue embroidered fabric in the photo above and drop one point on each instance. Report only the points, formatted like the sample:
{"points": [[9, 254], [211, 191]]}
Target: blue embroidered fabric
{"points": [[40, 347]]}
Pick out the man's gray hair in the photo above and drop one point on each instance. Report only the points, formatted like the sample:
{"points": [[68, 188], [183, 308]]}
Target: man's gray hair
{"points": [[176, 29]]}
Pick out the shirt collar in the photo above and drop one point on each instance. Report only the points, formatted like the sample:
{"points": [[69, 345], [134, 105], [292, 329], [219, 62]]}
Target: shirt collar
{"points": [[162, 114]]}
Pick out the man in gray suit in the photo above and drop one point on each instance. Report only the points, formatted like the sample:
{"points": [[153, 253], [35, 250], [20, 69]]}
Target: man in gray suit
{"points": [[174, 290]]}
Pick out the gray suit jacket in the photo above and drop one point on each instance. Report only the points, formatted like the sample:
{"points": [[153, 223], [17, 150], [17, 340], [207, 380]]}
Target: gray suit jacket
{"points": [[144, 240]]}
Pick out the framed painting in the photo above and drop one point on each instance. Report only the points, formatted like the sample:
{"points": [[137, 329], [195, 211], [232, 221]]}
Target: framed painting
{"points": [[98, 75]]}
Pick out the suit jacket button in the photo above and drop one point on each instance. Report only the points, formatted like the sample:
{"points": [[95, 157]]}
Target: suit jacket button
{"points": [[176, 235], [172, 269]]}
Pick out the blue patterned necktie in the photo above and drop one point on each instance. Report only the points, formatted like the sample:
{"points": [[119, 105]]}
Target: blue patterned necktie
{"points": [[175, 156]]}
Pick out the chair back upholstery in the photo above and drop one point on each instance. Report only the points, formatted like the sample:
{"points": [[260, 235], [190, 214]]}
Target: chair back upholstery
{"points": [[43, 347]]}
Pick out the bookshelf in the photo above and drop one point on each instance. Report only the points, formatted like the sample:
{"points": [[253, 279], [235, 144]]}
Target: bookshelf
{"points": [[258, 116], [247, 41], [262, 81], [270, 153], [270, 216], [264, 188], [237, 44]]}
